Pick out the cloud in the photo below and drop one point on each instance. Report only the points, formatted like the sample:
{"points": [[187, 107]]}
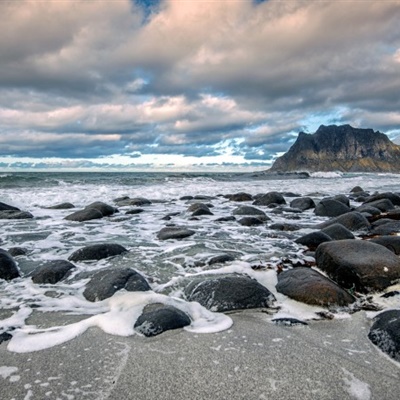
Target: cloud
{"points": [[92, 79]]}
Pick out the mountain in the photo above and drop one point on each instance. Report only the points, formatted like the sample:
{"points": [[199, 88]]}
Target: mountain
{"points": [[340, 148]]}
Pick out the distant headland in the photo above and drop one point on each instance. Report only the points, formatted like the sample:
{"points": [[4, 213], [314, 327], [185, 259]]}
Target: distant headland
{"points": [[340, 148]]}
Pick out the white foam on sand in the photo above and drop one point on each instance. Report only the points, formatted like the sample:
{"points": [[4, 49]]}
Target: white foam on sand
{"points": [[123, 311], [357, 389]]}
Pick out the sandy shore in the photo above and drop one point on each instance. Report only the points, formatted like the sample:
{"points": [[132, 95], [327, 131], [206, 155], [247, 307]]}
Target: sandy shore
{"points": [[255, 359]]}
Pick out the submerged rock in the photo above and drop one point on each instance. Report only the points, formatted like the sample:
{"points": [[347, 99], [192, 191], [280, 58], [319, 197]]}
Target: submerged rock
{"points": [[331, 208], [8, 267], [97, 252], [223, 258], [309, 286], [52, 271], [14, 214], [4, 207], [158, 318], [86, 214], [229, 293], [250, 221], [106, 282], [61, 206], [104, 208], [358, 264], [288, 321], [174, 232], [385, 333]]}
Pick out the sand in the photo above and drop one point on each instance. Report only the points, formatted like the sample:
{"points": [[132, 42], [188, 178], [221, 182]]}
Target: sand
{"points": [[255, 359]]}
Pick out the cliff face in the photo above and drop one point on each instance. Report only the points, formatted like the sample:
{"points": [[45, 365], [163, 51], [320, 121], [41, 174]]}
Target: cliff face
{"points": [[340, 148]]}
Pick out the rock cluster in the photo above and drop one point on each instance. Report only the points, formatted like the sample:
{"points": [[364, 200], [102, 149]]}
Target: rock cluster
{"points": [[354, 251]]}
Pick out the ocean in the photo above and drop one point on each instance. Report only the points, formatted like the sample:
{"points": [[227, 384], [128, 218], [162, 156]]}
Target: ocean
{"points": [[167, 265]]}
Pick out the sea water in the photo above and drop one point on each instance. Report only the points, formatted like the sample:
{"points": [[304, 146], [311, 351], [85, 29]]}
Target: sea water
{"points": [[167, 265]]}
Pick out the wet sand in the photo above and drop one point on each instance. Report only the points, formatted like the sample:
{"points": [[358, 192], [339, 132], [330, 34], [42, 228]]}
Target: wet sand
{"points": [[255, 359]]}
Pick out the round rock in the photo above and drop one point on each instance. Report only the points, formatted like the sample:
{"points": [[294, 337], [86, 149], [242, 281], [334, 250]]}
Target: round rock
{"points": [[8, 267], [269, 198], [106, 282], [52, 271], [358, 264], [313, 240], [87, 214], [97, 252], [228, 293], [338, 232], [157, 319], [250, 211], [331, 208], [303, 203], [309, 286], [174, 232], [385, 333]]}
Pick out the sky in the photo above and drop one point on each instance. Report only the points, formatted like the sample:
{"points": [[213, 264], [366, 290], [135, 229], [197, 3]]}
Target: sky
{"points": [[189, 84]]}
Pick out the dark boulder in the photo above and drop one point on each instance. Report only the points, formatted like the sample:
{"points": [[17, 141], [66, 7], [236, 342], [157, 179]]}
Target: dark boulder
{"points": [[309, 286], [86, 214], [367, 209], [353, 220], [250, 221], [338, 232], [61, 206], [8, 267], [52, 271], [358, 264], [104, 208], [106, 282], [136, 202], [97, 252], [393, 197], [331, 208], [223, 258], [269, 198], [342, 198], [357, 189], [226, 219], [385, 333], [242, 196], [392, 243], [383, 205], [17, 251], [388, 227], [228, 293], [313, 240], [4, 207], [13, 214], [135, 211], [249, 211], [303, 203], [174, 232], [284, 227], [198, 209], [158, 318], [4, 337]]}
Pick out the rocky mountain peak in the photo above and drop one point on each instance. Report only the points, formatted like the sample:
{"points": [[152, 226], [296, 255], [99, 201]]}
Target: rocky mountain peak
{"points": [[340, 148]]}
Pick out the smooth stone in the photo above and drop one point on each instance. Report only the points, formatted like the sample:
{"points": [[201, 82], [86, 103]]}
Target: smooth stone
{"points": [[135, 211], [8, 267], [392, 243], [385, 333], [242, 196], [14, 214], [226, 219], [313, 240], [52, 271], [308, 286], [106, 282], [284, 227], [104, 208], [383, 205], [250, 211], [61, 206], [5, 207], [137, 202], [163, 318], [229, 292], [303, 203], [269, 198], [386, 228], [86, 214], [358, 264], [393, 197], [17, 251], [97, 252], [357, 189], [353, 220], [223, 258], [331, 208], [338, 232], [174, 232], [198, 209], [342, 198], [366, 208], [250, 221]]}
